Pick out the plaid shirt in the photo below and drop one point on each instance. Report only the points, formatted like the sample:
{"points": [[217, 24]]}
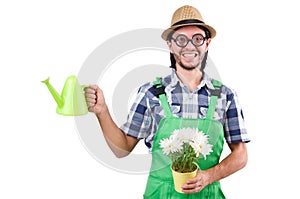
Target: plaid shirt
{"points": [[146, 112]]}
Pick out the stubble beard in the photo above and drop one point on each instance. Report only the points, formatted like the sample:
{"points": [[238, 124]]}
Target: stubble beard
{"points": [[189, 68]]}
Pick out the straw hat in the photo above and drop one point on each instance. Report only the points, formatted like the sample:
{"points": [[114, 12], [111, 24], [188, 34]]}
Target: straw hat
{"points": [[187, 16]]}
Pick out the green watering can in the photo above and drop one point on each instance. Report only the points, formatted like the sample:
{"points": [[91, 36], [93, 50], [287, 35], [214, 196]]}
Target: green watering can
{"points": [[72, 101]]}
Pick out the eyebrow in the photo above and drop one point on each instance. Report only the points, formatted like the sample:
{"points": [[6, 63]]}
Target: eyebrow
{"points": [[187, 36]]}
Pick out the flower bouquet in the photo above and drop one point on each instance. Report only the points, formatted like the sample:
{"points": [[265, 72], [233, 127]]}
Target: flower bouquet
{"points": [[184, 147]]}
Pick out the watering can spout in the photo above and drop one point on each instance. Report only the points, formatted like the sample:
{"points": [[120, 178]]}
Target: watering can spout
{"points": [[71, 101], [54, 93]]}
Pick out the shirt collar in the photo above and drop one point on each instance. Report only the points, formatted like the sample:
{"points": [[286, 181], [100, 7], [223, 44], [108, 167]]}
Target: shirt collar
{"points": [[206, 81]]}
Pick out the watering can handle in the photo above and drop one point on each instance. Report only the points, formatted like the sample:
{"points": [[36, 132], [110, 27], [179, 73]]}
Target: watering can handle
{"points": [[85, 86]]}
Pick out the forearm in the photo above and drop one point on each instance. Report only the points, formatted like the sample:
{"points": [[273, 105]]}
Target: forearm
{"points": [[115, 138], [120, 144], [235, 161]]}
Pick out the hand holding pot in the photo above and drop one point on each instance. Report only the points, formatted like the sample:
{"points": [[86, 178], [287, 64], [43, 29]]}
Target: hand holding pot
{"points": [[196, 184]]}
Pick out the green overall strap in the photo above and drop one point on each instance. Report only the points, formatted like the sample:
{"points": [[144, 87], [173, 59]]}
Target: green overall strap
{"points": [[215, 94], [160, 92]]}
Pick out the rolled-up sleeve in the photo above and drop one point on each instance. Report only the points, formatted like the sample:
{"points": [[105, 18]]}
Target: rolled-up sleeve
{"points": [[139, 118], [234, 127]]}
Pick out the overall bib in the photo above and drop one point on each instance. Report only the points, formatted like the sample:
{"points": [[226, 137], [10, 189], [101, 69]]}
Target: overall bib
{"points": [[160, 180]]}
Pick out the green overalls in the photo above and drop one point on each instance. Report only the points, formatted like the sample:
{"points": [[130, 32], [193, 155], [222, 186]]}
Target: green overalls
{"points": [[160, 181]]}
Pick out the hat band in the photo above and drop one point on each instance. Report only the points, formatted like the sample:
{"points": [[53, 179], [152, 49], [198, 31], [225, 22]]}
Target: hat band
{"points": [[187, 21]]}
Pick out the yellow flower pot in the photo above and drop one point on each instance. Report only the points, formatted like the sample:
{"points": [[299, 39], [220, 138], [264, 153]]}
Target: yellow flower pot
{"points": [[181, 178]]}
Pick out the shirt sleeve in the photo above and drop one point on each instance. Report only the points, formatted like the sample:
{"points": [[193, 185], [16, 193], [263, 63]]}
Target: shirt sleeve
{"points": [[139, 118], [234, 127]]}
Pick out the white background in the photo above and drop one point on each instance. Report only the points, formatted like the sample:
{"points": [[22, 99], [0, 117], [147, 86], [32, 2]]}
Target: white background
{"points": [[255, 51]]}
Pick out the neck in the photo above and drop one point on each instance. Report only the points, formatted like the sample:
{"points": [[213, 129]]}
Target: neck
{"points": [[190, 78]]}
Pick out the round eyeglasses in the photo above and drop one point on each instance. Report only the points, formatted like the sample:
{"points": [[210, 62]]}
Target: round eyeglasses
{"points": [[182, 40]]}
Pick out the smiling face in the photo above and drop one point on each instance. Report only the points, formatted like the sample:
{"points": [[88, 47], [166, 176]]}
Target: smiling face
{"points": [[188, 57]]}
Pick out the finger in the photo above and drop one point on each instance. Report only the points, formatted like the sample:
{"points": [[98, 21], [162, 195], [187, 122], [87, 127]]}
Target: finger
{"points": [[193, 183], [93, 87], [193, 180], [89, 90], [189, 191], [90, 96], [90, 104], [192, 188], [91, 109]]}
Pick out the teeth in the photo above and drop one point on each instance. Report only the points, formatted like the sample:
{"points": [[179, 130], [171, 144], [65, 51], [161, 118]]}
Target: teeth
{"points": [[189, 55]]}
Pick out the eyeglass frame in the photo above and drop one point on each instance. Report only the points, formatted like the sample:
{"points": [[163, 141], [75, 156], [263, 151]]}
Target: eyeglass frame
{"points": [[189, 40]]}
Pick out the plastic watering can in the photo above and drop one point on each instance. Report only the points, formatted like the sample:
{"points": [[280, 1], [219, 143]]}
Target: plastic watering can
{"points": [[72, 101]]}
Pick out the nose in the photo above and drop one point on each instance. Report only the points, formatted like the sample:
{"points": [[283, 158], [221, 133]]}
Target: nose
{"points": [[190, 45]]}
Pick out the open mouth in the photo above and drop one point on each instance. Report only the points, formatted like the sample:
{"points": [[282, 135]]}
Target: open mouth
{"points": [[189, 55]]}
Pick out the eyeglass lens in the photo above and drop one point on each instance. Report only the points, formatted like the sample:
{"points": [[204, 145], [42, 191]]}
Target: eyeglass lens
{"points": [[182, 40]]}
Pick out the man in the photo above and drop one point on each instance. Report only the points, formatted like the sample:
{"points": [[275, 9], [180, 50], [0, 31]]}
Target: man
{"points": [[189, 93]]}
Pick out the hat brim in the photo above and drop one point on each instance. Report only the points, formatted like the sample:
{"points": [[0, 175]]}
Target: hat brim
{"points": [[166, 33]]}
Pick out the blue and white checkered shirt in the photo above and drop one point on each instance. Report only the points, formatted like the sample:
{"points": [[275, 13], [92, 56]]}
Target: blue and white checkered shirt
{"points": [[146, 111]]}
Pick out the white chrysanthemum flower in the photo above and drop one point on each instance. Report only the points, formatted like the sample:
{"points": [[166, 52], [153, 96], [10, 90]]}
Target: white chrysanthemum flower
{"points": [[189, 134], [197, 148], [206, 150], [180, 136], [174, 145], [200, 145], [166, 145], [170, 145]]}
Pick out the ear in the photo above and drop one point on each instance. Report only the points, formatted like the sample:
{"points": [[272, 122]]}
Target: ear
{"points": [[207, 42], [169, 43]]}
